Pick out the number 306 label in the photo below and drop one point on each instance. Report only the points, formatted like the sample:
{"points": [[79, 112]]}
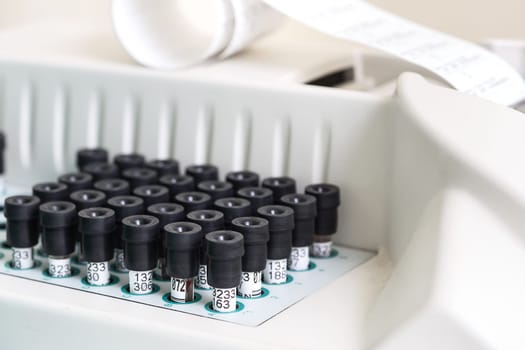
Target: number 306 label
{"points": [[224, 300]]}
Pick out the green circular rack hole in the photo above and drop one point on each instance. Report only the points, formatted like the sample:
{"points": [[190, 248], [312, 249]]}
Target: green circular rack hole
{"points": [[74, 272], [264, 293], [167, 298], [125, 290], [238, 308], [112, 281], [333, 254], [204, 289], [9, 264], [289, 279]]}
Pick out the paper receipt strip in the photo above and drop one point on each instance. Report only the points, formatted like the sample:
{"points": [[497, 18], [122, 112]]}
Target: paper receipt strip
{"points": [[155, 35]]}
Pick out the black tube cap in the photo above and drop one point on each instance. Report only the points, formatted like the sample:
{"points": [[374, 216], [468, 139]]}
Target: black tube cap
{"points": [[209, 220], [58, 221], [166, 213], [177, 183], [232, 207], [258, 197], [96, 226], [84, 199], [241, 179], [280, 186], [216, 189], [50, 191], [101, 171], [140, 234], [225, 251], [152, 194], [76, 181], [139, 177], [112, 187], [305, 211], [328, 200], [280, 224], [256, 236], [127, 161], [205, 172], [21, 213], [87, 156], [164, 166], [124, 206], [194, 200], [182, 241]]}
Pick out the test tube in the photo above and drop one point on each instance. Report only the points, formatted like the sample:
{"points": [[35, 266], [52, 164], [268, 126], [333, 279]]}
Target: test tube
{"points": [[328, 200], [242, 179], [140, 234], [177, 183], [87, 156], [101, 171], [232, 207], [96, 226], [216, 189], [152, 194], [112, 187], [203, 172], [166, 213], [194, 201], [164, 166], [305, 211], [257, 196], [225, 251], [256, 236], [280, 186], [50, 191], [123, 206], [76, 181], [128, 160], [182, 241], [209, 220], [280, 224], [21, 213], [139, 177], [58, 221]]}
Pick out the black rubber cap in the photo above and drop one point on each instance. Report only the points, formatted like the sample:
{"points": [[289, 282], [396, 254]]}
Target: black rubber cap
{"points": [[58, 221], [328, 200], [232, 207], [305, 211], [112, 187], [87, 156], [258, 197], [140, 234], [205, 172], [182, 241], [50, 191], [209, 220], [166, 213], [21, 213], [225, 251], [281, 224], [280, 186], [76, 181], [177, 183], [84, 199], [242, 179], [256, 236], [152, 194], [127, 161], [216, 189], [96, 226], [101, 171], [194, 200], [124, 206], [139, 177], [164, 166]]}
